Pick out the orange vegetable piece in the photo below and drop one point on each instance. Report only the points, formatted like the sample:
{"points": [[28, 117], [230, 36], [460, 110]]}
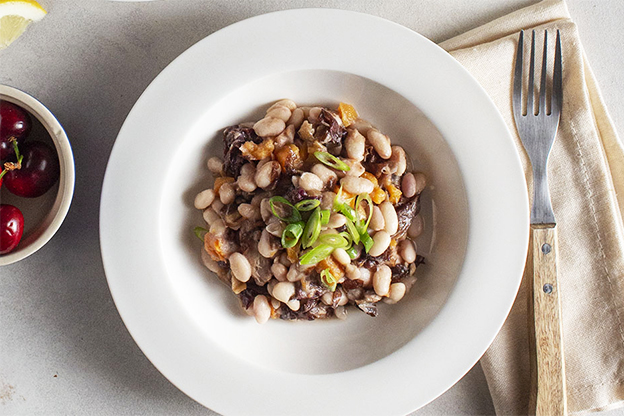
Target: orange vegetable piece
{"points": [[347, 114], [370, 177], [395, 193], [253, 151], [288, 156], [329, 263], [378, 196], [220, 181]]}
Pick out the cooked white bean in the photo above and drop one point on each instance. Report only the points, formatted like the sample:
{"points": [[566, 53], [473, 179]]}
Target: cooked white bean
{"points": [[248, 169], [382, 279], [267, 174], [391, 219], [246, 183], [265, 210], [268, 245], [227, 193], [355, 145], [314, 114], [215, 165], [341, 256], [377, 222], [310, 182], [217, 227], [279, 271], [249, 211], [217, 205], [362, 126], [381, 242], [341, 312], [416, 228], [352, 272], [294, 274], [275, 303], [407, 251], [380, 142], [269, 127], [296, 118], [285, 137], [336, 220], [421, 181], [279, 112], [324, 173], [294, 304], [237, 285], [241, 269], [408, 185], [356, 186], [398, 160], [286, 102], [204, 199], [327, 200], [365, 276], [397, 291], [343, 297], [283, 291], [355, 168], [261, 309], [275, 228], [327, 298], [210, 216], [210, 264]]}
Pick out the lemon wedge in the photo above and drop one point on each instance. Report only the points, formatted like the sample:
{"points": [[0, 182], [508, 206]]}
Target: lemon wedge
{"points": [[15, 16]]}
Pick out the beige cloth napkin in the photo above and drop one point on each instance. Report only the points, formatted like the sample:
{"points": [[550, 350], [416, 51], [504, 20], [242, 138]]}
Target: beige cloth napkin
{"points": [[586, 173]]}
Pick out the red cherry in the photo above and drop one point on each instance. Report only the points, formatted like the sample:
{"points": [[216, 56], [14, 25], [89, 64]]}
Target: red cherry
{"points": [[11, 227], [14, 122], [40, 170]]}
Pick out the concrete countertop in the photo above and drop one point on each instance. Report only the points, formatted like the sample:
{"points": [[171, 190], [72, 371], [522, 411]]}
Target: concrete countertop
{"points": [[63, 347]]}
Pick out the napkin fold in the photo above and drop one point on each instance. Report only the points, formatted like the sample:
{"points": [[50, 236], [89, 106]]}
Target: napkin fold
{"points": [[586, 175]]}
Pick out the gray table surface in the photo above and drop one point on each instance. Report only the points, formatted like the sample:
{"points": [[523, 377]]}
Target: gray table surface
{"points": [[63, 347]]}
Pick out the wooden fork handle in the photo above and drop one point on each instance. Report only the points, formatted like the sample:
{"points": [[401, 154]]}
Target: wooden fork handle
{"points": [[550, 380]]}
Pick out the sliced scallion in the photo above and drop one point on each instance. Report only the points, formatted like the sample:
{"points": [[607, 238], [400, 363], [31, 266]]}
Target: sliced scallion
{"points": [[366, 240], [358, 201], [352, 252], [351, 228], [328, 279], [312, 229], [325, 213], [279, 205], [291, 234], [307, 205], [331, 161], [200, 232], [317, 254], [334, 240]]}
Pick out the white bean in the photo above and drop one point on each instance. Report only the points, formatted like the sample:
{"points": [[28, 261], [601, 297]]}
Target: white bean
{"points": [[286, 102], [397, 291], [283, 291], [267, 245], [275, 228], [377, 222], [380, 142], [279, 112], [421, 182], [365, 276], [279, 271], [416, 228], [261, 309], [391, 219], [362, 126], [246, 183], [204, 199], [217, 205], [408, 185], [355, 145], [398, 160], [241, 269], [267, 174], [210, 216], [265, 210], [341, 256], [381, 242], [293, 304], [327, 298], [327, 200], [382, 279], [285, 137], [248, 169], [227, 193], [352, 272], [336, 220], [310, 182], [324, 173], [407, 251], [294, 274], [315, 112], [356, 186], [341, 312], [355, 168], [296, 118], [215, 165], [210, 264], [269, 127], [249, 211], [217, 227]]}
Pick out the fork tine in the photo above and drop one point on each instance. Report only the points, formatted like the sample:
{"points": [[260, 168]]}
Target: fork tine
{"points": [[517, 86], [542, 93], [557, 94], [530, 110]]}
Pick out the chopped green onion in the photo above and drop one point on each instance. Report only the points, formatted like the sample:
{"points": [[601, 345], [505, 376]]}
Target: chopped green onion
{"points": [[368, 199], [352, 252], [328, 279], [307, 205], [366, 240], [275, 203], [349, 212], [200, 232], [334, 240], [317, 254], [347, 237], [331, 161], [312, 229], [325, 213], [353, 231], [291, 234]]}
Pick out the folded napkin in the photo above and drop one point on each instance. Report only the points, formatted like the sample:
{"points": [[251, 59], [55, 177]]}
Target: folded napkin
{"points": [[586, 174]]}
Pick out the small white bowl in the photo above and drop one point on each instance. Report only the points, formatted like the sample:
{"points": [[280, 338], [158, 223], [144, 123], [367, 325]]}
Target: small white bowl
{"points": [[43, 215]]}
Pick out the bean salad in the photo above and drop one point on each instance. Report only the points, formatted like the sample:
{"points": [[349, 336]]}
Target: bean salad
{"points": [[312, 210]]}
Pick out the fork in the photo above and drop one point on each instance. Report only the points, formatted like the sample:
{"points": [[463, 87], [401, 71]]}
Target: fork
{"points": [[537, 129]]}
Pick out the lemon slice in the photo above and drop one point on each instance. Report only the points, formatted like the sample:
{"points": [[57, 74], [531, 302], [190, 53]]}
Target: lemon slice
{"points": [[15, 16]]}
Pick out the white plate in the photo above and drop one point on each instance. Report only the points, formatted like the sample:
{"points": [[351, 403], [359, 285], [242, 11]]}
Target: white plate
{"points": [[190, 326]]}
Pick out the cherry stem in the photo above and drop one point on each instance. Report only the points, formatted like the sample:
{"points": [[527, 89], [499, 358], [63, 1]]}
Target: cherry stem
{"points": [[17, 153]]}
